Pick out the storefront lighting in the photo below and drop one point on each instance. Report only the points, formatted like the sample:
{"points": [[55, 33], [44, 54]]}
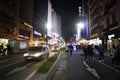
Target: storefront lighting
{"points": [[110, 36], [37, 33]]}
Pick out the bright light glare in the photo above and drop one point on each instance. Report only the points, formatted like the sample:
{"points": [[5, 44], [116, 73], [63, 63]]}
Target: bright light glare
{"points": [[80, 25], [48, 25], [26, 54], [37, 54]]}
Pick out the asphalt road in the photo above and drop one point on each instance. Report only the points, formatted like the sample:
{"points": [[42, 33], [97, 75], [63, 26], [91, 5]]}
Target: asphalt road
{"points": [[16, 68], [78, 69]]}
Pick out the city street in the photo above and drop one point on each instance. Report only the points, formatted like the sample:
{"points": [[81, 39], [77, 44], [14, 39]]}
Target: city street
{"points": [[37, 29], [16, 68], [78, 69]]}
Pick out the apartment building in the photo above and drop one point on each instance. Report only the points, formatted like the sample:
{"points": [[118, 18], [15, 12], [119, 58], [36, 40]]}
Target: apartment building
{"points": [[13, 31], [111, 29], [104, 21], [95, 19]]}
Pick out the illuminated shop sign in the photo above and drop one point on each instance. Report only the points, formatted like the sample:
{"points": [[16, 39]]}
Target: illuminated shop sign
{"points": [[110, 36], [37, 33]]}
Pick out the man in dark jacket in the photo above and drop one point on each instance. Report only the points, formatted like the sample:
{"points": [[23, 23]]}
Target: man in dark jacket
{"points": [[85, 50], [90, 51], [70, 49], [101, 51]]}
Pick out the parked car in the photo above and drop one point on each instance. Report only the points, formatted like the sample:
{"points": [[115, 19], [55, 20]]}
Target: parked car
{"points": [[37, 53]]}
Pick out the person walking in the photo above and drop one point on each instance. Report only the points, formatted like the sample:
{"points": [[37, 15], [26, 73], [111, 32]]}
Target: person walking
{"points": [[101, 51], [85, 50], [90, 52], [70, 48], [1, 48]]}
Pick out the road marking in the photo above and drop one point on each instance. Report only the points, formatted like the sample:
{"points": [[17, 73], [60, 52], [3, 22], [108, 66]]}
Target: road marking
{"points": [[30, 76], [111, 67], [17, 69], [118, 65], [3, 61], [91, 70], [9, 65]]}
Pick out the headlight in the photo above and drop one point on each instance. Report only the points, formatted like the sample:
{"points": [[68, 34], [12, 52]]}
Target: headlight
{"points": [[52, 48], [26, 54], [37, 54]]}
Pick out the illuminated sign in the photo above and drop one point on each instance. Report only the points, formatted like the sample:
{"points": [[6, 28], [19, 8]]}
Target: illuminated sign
{"points": [[110, 36], [37, 33]]}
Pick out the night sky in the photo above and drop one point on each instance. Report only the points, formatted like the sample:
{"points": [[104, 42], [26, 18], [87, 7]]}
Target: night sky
{"points": [[69, 12]]}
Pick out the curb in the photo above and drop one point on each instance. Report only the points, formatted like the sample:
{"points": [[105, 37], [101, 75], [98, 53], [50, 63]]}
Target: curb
{"points": [[55, 66]]}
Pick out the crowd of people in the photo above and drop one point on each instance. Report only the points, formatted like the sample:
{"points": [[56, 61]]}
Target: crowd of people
{"points": [[89, 51]]}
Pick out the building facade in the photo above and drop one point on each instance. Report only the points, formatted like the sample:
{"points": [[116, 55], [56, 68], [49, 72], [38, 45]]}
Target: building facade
{"points": [[95, 19], [24, 21], [104, 21], [111, 29], [56, 24], [40, 16], [12, 28]]}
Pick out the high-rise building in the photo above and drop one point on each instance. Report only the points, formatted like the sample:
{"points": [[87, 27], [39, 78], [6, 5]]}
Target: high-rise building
{"points": [[56, 23], [26, 11], [111, 29], [14, 31], [104, 21], [8, 18], [95, 18], [40, 16], [83, 18]]}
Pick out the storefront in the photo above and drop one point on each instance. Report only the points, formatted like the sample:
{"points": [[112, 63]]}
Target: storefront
{"points": [[95, 41], [112, 38], [15, 46]]}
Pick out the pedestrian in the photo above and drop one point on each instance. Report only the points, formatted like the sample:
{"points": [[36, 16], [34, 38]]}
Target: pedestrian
{"points": [[1, 49], [9, 49], [85, 52], [90, 52], [81, 49], [70, 48], [101, 51], [4, 50]]}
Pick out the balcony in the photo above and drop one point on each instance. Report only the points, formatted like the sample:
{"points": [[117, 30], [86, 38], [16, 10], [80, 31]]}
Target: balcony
{"points": [[109, 5], [114, 24]]}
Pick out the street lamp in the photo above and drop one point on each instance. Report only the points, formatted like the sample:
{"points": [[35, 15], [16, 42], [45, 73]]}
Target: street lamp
{"points": [[79, 27]]}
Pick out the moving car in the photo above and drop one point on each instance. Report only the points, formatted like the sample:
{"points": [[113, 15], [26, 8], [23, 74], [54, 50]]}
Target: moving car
{"points": [[55, 48], [37, 53]]}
